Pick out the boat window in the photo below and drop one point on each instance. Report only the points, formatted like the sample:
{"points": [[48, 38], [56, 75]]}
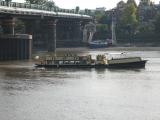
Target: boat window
{"points": [[60, 62], [72, 62], [66, 62]]}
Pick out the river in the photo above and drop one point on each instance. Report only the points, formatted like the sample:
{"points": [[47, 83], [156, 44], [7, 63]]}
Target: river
{"points": [[27, 93]]}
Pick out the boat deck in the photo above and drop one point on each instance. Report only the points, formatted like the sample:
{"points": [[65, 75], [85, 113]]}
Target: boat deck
{"points": [[73, 61], [139, 64]]}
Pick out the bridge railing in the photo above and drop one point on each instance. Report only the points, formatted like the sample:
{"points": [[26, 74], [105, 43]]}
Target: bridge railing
{"points": [[36, 6]]}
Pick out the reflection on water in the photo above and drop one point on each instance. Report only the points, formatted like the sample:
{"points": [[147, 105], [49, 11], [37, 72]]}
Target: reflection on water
{"points": [[27, 93]]}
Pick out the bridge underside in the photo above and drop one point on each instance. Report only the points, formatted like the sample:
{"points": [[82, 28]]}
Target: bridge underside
{"points": [[48, 33], [67, 33], [49, 30]]}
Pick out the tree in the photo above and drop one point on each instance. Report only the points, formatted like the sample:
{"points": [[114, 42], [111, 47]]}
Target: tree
{"points": [[129, 15], [132, 2], [8, 1], [88, 12], [41, 2], [19, 26], [102, 31], [77, 9], [105, 19], [99, 15], [127, 24], [157, 24], [128, 21], [50, 4]]}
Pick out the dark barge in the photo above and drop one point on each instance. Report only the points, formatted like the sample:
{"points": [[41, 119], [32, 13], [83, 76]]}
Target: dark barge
{"points": [[74, 61]]}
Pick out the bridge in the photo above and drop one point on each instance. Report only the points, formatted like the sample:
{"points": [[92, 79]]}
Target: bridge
{"points": [[24, 9], [49, 27]]}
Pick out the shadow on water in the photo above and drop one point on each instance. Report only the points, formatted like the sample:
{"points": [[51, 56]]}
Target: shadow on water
{"points": [[18, 73], [64, 69], [126, 69], [100, 70], [24, 79], [73, 72]]}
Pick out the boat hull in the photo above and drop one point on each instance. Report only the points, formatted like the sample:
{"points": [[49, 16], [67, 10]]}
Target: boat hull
{"points": [[64, 66], [138, 64]]}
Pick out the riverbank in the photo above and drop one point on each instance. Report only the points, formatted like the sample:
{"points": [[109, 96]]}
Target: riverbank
{"points": [[111, 49]]}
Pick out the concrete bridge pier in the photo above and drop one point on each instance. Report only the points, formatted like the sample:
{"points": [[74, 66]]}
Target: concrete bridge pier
{"points": [[13, 46], [8, 25], [77, 31], [52, 36], [88, 31]]}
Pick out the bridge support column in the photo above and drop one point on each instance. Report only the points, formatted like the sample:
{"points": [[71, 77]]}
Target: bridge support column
{"points": [[52, 36], [88, 32], [15, 47], [8, 25], [78, 31]]}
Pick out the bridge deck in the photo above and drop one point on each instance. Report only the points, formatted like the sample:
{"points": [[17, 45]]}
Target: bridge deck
{"points": [[42, 13]]}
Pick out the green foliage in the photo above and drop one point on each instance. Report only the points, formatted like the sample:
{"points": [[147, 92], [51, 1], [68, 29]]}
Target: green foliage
{"points": [[8, 2], [41, 2], [50, 4], [128, 28], [102, 27], [157, 24], [105, 19], [146, 28], [127, 25], [19, 26], [129, 16], [88, 12], [99, 15], [77, 9], [132, 2], [103, 30]]}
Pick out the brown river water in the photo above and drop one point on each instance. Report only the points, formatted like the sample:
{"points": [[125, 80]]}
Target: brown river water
{"points": [[27, 93]]}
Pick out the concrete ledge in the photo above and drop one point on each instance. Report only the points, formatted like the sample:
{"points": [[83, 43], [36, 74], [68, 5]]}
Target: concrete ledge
{"points": [[16, 36]]}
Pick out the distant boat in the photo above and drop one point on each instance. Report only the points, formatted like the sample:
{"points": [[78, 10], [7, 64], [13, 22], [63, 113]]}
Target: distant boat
{"points": [[100, 43]]}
